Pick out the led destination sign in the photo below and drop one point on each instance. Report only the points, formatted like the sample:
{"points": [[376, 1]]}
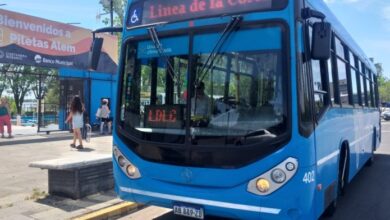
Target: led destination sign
{"points": [[153, 11], [164, 116]]}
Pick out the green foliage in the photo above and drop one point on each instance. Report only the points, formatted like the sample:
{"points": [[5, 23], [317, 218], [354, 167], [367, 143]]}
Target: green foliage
{"points": [[384, 89], [383, 84], [3, 84], [119, 12], [21, 80], [12, 106]]}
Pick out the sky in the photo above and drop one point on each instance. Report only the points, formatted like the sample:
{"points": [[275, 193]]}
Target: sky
{"points": [[368, 21]]}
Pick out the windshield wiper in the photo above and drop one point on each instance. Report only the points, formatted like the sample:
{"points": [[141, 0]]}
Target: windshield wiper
{"points": [[260, 132], [225, 35], [156, 41]]}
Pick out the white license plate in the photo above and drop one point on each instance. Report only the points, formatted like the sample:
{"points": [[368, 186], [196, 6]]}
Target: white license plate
{"points": [[188, 211]]}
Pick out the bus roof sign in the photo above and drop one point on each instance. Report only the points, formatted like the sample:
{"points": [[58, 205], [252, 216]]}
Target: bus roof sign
{"points": [[144, 12]]}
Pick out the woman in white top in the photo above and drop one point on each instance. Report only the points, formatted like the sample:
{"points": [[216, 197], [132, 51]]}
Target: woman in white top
{"points": [[76, 115], [105, 116]]}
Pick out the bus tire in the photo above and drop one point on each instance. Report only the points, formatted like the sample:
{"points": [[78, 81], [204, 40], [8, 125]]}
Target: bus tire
{"points": [[342, 180], [331, 209]]}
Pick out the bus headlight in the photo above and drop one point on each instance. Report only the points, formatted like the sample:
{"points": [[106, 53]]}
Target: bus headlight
{"points": [[262, 185], [126, 166], [121, 161], [278, 176], [131, 170], [274, 178]]}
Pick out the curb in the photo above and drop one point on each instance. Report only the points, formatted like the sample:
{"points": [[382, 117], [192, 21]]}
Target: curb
{"points": [[109, 212]]}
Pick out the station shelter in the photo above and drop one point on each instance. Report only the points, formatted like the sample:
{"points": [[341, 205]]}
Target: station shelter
{"points": [[91, 87]]}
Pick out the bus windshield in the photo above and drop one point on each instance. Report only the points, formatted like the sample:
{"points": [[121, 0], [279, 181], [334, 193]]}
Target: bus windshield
{"points": [[235, 96]]}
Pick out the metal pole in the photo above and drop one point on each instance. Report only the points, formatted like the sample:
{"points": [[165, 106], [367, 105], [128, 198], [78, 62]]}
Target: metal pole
{"points": [[112, 14], [39, 102]]}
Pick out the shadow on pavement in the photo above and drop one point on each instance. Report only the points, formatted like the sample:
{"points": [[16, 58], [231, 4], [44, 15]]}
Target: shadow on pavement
{"points": [[70, 205], [86, 149], [40, 139]]}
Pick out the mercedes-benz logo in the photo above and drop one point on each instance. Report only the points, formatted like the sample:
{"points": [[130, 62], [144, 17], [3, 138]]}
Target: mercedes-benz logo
{"points": [[187, 175]]}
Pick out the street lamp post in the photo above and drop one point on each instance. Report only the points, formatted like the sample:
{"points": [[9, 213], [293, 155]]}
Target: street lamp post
{"points": [[112, 13]]}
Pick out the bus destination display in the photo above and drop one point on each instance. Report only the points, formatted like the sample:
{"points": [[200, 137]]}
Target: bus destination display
{"points": [[164, 116], [154, 11]]}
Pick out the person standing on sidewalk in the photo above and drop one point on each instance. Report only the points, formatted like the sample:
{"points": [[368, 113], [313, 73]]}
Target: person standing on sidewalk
{"points": [[105, 117], [5, 117], [76, 115]]}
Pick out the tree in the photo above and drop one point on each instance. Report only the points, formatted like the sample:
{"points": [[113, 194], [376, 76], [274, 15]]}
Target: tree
{"points": [[383, 84], [19, 79], [44, 79], [3, 83], [379, 69], [119, 11]]}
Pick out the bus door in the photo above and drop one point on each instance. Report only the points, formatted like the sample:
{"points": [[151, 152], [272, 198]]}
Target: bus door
{"points": [[319, 75]]}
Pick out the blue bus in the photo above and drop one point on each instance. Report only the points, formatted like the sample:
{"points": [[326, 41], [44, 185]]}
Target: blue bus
{"points": [[270, 108]]}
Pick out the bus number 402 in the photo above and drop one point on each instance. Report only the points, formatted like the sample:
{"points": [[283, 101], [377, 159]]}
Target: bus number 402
{"points": [[309, 177]]}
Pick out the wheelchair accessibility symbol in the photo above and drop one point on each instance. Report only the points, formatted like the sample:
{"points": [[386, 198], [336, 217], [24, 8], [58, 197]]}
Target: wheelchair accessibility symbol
{"points": [[134, 18]]}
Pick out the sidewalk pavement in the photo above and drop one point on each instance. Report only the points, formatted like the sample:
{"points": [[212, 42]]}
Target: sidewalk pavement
{"points": [[23, 193]]}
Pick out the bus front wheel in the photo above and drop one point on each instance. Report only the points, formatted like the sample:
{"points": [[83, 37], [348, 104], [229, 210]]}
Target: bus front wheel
{"points": [[343, 171], [342, 181]]}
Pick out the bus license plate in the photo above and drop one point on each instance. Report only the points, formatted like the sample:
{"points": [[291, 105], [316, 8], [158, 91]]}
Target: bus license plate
{"points": [[188, 211]]}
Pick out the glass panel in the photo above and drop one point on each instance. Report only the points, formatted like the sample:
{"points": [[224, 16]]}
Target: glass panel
{"points": [[154, 87], [343, 82], [373, 95], [352, 59], [355, 93], [237, 96], [339, 48], [369, 94], [318, 86], [376, 97], [363, 90], [244, 89], [316, 70], [331, 83]]}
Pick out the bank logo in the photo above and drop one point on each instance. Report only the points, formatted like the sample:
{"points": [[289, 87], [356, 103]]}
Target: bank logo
{"points": [[38, 59]]}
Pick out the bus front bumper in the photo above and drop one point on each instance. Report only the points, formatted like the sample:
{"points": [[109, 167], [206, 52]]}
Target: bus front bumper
{"points": [[287, 203]]}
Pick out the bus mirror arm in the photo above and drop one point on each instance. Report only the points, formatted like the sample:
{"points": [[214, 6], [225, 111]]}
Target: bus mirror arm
{"points": [[310, 13], [321, 37]]}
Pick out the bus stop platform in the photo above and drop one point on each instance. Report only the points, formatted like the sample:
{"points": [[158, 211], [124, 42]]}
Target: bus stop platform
{"points": [[23, 193]]}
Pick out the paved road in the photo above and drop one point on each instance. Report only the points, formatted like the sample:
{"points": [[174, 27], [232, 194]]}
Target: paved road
{"points": [[367, 196]]}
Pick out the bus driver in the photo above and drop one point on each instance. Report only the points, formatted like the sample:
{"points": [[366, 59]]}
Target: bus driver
{"points": [[200, 108]]}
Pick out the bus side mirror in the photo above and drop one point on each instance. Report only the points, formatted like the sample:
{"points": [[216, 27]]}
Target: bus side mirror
{"points": [[94, 53], [321, 41]]}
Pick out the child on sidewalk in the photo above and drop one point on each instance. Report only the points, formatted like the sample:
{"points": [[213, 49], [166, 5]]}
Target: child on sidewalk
{"points": [[76, 115]]}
